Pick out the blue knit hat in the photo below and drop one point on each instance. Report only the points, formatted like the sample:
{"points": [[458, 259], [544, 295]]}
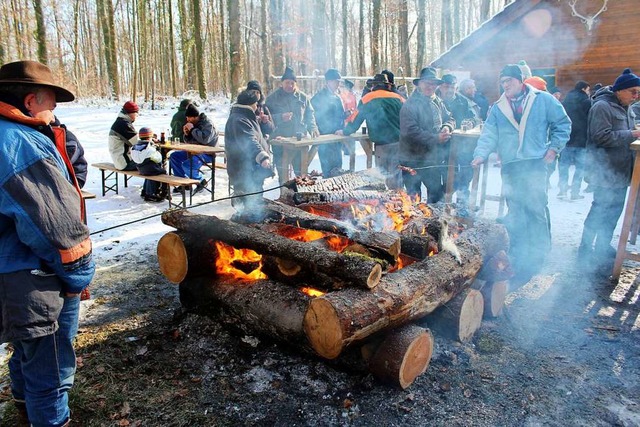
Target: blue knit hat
{"points": [[288, 75], [626, 80]]}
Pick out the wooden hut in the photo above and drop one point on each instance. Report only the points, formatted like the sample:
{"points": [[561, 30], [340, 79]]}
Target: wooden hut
{"points": [[561, 40]]}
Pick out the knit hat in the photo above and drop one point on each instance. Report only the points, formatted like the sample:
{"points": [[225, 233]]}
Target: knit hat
{"points": [[191, 111], [185, 102], [332, 74], [130, 107], [537, 82], [254, 85], [511, 70], [348, 84], [248, 97], [449, 79], [145, 133], [626, 80], [524, 68], [288, 75], [428, 73]]}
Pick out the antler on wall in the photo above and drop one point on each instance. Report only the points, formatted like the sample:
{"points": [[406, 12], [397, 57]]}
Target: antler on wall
{"points": [[587, 20]]}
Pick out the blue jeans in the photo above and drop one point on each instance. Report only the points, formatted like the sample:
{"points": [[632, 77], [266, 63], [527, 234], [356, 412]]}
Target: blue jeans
{"points": [[180, 163], [571, 156], [42, 369]]}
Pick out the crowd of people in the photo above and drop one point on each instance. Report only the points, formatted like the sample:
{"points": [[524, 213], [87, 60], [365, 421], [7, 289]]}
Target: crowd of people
{"points": [[45, 242]]}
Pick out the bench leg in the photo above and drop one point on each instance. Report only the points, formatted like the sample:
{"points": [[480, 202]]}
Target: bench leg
{"points": [[106, 177]]}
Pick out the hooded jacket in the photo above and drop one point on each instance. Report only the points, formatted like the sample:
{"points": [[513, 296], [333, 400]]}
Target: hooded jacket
{"points": [[179, 119], [544, 125], [298, 103], [203, 132], [381, 109], [608, 141], [42, 234]]}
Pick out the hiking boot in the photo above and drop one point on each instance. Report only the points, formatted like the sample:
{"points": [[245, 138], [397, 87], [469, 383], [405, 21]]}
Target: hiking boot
{"points": [[153, 198], [200, 187], [577, 197], [178, 188]]}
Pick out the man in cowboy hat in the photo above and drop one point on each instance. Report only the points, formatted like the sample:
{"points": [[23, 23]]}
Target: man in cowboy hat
{"points": [[425, 129], [381, 109], [45, 260]]}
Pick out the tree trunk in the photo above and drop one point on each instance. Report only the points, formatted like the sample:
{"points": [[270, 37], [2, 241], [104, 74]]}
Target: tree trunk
{"points": [[362, 66], [236, 48], [358, 270], [375, 36], [199, 58], [41, 33], [266, 56], [341, 318], [422, 37], [345, 37], [403, 32]]}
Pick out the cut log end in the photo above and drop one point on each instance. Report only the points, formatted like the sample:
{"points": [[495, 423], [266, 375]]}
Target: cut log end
{"points": [[323, 330], [374, 277], [495, 295], [288, 267], [403, 355], [470, 315], [172, 257]]}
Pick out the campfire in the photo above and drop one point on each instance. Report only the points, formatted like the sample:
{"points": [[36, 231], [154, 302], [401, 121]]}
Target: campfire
{"points": [[328, 273]]}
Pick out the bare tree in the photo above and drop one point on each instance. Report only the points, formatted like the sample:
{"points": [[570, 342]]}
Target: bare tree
{"points": [[375, 35], [41, 33], [421, 36], [403, 31], [236, 48]]}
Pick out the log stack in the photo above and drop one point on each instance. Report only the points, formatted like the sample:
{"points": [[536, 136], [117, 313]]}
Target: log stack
{"points": [[324, 301]]}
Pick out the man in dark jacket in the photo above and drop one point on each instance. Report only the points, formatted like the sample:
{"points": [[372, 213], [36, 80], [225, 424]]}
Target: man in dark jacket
{"points": [[425, 129], [292, 113], [577, 105], [610, 133], [265, 120], [381, 109], [45, 249], [179, 119], [248, 160], [198, 130], [330, 118]]}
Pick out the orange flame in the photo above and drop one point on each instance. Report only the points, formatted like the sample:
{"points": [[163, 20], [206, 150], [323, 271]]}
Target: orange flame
{"points": [[392, 214], [312, 292], [225, 257]]}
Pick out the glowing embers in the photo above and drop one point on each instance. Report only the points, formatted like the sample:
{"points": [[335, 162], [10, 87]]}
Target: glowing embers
{"points": [[394, 213], [314, 293], [241, 264]]}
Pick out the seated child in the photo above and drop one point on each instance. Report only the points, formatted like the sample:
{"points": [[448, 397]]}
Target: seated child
{"points": [[149, 162]]}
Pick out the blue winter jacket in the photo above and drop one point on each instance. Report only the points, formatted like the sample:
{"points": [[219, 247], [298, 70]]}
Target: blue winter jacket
{"points": [[544, 125], [41, 227]]}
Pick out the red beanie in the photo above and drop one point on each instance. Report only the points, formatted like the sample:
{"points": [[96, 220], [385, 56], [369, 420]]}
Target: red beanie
{"points": [[130, 107]]}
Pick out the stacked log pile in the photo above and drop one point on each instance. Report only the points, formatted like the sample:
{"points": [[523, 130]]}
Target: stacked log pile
{"points": [[360, 296]]}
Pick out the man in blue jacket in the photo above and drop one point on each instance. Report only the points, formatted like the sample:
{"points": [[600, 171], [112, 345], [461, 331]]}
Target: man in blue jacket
{"points": [[45, 250], [528, 128]]}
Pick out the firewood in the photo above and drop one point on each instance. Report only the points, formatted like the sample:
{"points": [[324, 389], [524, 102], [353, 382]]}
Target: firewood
{"points": [[339, 319], [418, 246], [498, 268], [402, 356], [262, 307], [354, 268], [459, 318], [495, 294], [385, 244], [182, 254]]}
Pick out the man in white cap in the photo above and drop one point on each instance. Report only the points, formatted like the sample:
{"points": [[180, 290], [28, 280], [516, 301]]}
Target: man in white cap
{"points": [[45, 260]]}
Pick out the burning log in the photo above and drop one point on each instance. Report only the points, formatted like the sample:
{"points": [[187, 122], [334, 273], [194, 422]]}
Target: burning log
{"points": [[261, 307], [343, 196], [385, 245], [183, 254], [339, 319], [498, 268], [459, 318], [402, 356], [419, 246], [354, 268]]}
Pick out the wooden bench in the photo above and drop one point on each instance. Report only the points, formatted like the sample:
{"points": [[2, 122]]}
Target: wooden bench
{"points": [[86, 195], [109, 176]]}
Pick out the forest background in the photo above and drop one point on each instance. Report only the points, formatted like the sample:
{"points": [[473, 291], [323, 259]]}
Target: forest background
{"points": [[149, 49]]}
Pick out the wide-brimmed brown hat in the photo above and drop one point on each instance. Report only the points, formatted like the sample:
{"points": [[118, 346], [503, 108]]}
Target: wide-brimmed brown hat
{"points": [[33, 73], [428, 74]]}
